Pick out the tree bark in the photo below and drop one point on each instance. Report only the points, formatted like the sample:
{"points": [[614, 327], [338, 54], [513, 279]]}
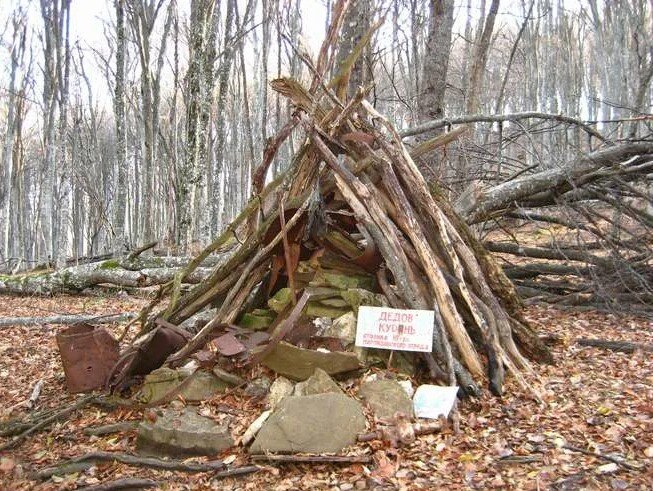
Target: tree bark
{"points": [[120, 191], [138, 274], [548, 184]]}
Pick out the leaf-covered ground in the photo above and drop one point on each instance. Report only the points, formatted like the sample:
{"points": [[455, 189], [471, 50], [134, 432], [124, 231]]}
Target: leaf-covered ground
{"points": [[596, 400]]}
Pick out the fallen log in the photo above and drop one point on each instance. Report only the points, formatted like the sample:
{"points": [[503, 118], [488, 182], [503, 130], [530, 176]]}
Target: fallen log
{"points": [[137, 273], [6, 322], [546, 253]]}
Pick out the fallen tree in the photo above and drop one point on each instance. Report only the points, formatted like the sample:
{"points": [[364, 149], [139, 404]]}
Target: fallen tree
{"points": [[133, 272]]}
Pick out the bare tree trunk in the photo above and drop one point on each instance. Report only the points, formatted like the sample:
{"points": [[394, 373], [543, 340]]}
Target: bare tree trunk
{"points": [[9, 179], [355, 25], [430, 99], [480, 60], [200, 83], [65, 181], [223, 88], [55, 186], [120, 192]]}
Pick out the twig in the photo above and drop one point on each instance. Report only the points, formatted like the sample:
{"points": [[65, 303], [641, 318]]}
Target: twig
{"points": [[286, 251], [111, 428], [125, 483], [418, 428], [133, 460], [45, 422], [314, 459], [616, 460], [238, 471]]}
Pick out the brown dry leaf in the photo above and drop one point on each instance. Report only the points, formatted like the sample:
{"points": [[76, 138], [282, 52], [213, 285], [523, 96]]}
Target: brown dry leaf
{"points": [[7, 464], [385, 468]]}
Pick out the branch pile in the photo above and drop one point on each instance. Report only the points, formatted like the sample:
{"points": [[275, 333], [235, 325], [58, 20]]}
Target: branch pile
{"points": [[354, 198], [596, 215]]}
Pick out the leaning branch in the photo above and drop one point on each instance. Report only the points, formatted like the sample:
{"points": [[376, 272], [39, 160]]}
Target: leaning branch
{"points": [[500, 118]]}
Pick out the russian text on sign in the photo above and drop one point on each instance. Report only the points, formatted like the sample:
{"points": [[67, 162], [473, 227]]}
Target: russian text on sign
{"points": [[395, 329]]}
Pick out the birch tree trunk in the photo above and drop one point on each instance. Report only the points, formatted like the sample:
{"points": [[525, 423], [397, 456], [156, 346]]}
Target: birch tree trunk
{"points": [[9, 212], [223, 87], [120, 192], [199, 86]]}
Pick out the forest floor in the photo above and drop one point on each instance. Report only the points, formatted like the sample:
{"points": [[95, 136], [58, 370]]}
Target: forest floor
{"points": [[595, 400]]}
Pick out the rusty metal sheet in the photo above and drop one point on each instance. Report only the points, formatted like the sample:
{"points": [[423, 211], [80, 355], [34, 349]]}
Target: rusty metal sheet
{"points": [[149, 354], [88, 354], [205, 358], [228, 345]]}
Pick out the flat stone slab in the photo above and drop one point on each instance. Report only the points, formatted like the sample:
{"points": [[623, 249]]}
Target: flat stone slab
{"points": [[201, 386], [318, 383], [322, 423], [386, 397], [299, 363], [182, 433]]}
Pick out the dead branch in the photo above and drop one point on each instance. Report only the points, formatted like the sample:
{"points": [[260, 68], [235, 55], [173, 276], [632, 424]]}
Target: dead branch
{"points": [[617, 460], [111, 428], [124, 483], [623, 346], [548, 184], [314, 459], [47, 421], [132, 460], [499, 118]]}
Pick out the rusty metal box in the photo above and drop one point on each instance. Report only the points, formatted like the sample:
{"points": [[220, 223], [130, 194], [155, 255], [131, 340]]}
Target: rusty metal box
{"points": [[88, 354]]}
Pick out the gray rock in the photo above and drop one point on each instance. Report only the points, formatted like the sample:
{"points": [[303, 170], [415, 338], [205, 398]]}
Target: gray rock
{"points": [[258, 387], [279, 390], [322, 423], [299, 363], [201, 386], [228, 377], [182, 433], [355, 297], [344, 327], [318, 383], [386, 397]]}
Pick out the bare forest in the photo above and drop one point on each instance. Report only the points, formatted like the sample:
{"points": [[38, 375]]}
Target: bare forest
{"points": [[225, 185]]}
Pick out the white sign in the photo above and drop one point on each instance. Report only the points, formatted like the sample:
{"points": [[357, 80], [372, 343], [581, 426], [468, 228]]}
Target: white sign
{"points": [[395, 329], [433, 401]]}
